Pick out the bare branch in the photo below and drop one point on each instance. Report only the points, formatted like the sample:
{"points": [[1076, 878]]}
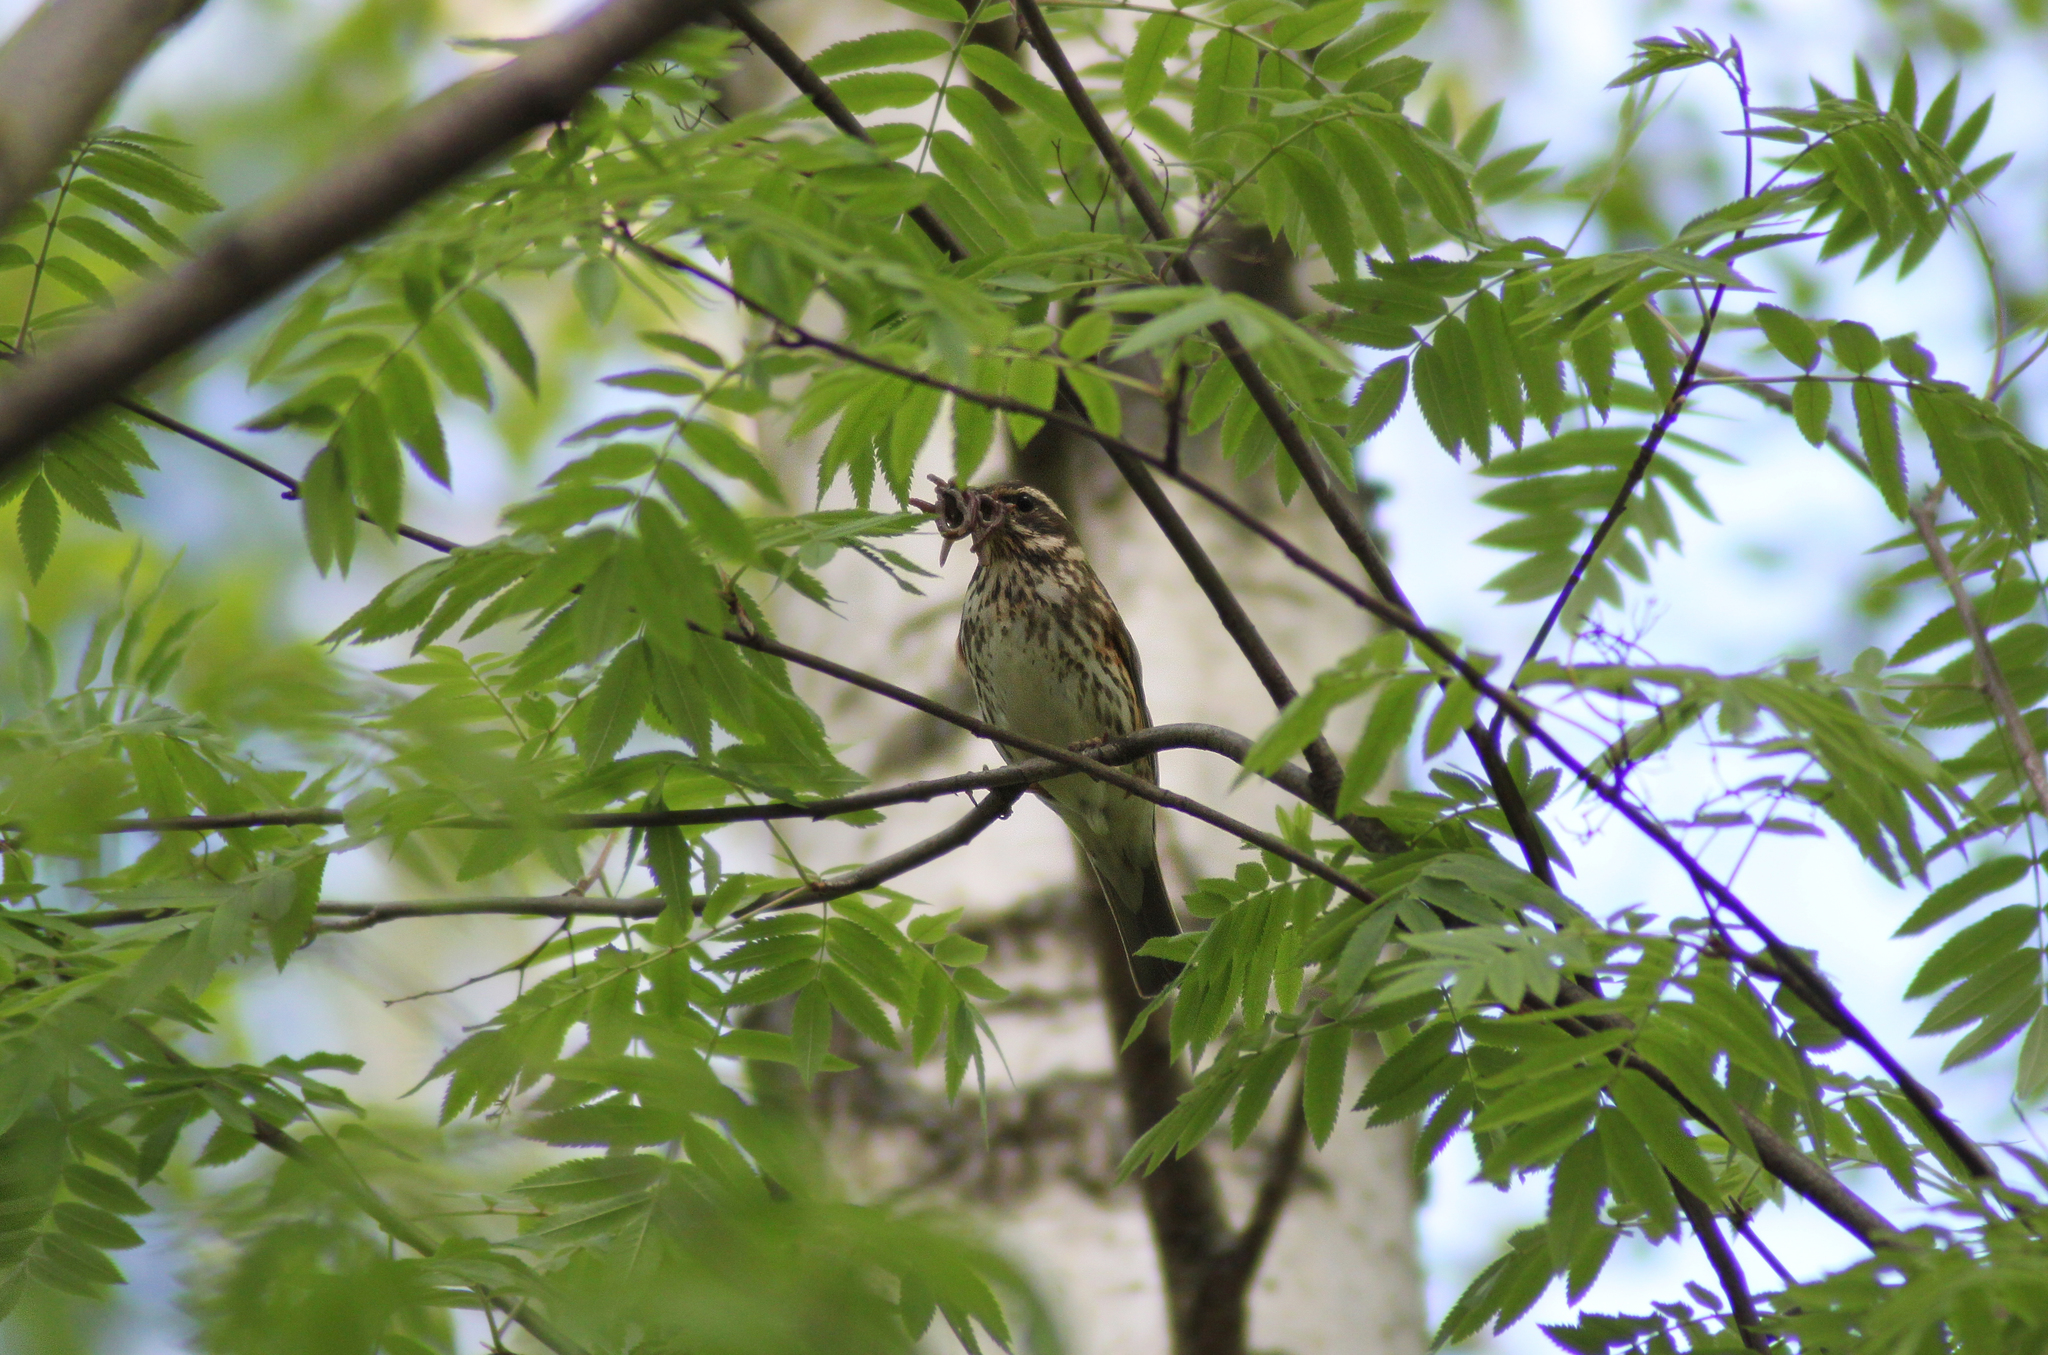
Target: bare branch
{"points": [[962, 831], [60, 69], [362, 916], [444, 139], [264, 468]]}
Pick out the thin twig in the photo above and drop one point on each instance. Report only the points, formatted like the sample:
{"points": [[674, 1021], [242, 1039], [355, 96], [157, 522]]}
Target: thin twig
{"points": [[1762, 392], [264, 468], [1995, 685], [1080, 762], [1125, 748]]}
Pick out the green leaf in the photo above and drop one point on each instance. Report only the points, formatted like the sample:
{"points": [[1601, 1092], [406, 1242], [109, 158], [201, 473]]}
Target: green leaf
{"points": [[725, 453], [36, 523], [897, 47], [1317, 196], [409, 400], [1386, 733], [1990, 938], [105, 241], [875, 90], [1160, 38], [1812, 402], [1452, 714], [499, 327], [1322, 1084], [1495, 346], [1856, 346], [810, 1028], [1981, 880], [724, 530], [609, 715], [1544, 1095], [1006, 77], [1791, 335], [1316, 25], [1379, 399], [1877, 423], [1255, 1090], [946, 11]]}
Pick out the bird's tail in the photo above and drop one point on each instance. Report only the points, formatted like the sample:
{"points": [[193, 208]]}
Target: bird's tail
{"points": [[1142, 908]]}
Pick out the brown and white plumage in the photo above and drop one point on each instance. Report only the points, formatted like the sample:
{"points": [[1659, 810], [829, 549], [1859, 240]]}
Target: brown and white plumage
{"points": [[1050, 658]]}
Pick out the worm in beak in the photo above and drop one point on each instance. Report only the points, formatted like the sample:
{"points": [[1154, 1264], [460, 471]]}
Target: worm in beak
{"points": [[961, 512]]}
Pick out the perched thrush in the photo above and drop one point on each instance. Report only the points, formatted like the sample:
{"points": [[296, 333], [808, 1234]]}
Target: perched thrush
{"points": [[1050, 658]]}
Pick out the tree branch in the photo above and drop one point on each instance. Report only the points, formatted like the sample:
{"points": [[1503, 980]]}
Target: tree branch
{"points": [[1080, 762], [1128, 748], [1726, 1268], [1995, 685], [827, 101], [1276, 1185], [60, 69], [1805, 1177], [264, 468], [1307, 458], [965, 829], [442, 140]]}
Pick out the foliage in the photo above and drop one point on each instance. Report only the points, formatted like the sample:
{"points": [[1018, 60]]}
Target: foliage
{"points": [[1639, 1062]]}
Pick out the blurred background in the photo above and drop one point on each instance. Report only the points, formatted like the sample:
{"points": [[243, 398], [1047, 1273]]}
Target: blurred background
{"points": [[266, 91]]}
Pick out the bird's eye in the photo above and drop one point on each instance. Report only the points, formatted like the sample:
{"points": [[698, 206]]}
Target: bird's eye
{"points": [[1024, 503]]}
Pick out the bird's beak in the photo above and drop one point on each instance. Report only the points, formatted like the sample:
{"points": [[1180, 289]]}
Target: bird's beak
{"points": [[961, 513]]}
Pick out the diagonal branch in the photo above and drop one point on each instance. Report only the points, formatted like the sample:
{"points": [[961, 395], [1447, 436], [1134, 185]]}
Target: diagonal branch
{"points": [[1276, 1185], [443, 140], [827, 101], [1307, 458], [265, 469], [1741, 1306], [60, 69], [1993, 676]]}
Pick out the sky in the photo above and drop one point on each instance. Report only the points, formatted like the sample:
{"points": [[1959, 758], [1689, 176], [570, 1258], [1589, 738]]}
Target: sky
{"points": [[1765, 582]]}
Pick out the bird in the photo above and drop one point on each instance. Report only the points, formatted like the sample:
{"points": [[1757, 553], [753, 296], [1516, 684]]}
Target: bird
{"points": [[1050, 658]]}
